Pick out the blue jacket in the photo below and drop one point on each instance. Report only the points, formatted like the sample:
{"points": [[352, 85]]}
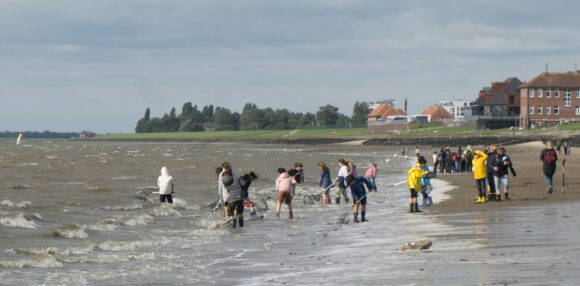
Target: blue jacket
{"points": [[425, 181], [325, 180], [359, 186]]}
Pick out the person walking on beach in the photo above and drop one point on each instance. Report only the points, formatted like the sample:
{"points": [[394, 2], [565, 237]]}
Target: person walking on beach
{"points": [[325, 183], [342, 174], [549, 158], [284, 186], [501, 167], [165, 185], [425, 183], [414, 181], [371, 175], [480, 174], [359, 196]]}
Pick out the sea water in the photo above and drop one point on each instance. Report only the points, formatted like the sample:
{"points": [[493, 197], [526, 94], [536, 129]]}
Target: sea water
{"points": [[68, 216]]}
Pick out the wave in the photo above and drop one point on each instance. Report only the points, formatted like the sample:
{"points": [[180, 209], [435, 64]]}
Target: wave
{"points": [[108, 259], [165, 211], [8, 203], [71, 231], [57, 251], [44, 261], [124, 208], [130, 220], [20, 220], [131, 245]]}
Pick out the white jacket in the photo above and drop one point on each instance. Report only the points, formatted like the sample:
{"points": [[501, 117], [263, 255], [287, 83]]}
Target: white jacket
{"points": [[165, 182]]}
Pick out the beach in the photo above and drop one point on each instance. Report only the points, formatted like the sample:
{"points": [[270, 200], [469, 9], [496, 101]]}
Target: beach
{"points": [[99, 234]]}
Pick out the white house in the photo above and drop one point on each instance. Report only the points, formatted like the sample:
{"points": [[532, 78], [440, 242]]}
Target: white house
{"points": [[457, 108]]}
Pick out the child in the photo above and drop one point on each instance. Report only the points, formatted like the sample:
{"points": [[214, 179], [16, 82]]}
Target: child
{"points": [[235, 202], [359, 196], [325, 183], [371, 174], [480, 174], [342, 174], [414, 182], [245, 181], [165, 184], [284, 186], [425, 183]]}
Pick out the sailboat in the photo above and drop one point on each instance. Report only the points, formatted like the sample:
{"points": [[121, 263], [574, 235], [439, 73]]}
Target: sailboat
{"points": [[19, 140]]}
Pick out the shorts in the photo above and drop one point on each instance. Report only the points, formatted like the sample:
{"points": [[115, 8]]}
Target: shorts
{"points": [[284, 197], [168, 197], [236, 207], [413, 193], [359, 198]]}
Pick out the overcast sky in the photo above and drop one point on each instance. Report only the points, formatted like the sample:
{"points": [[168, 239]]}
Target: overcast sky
{"points": [[75, 65]]}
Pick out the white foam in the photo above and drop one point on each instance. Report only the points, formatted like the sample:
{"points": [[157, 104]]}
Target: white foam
{"points": [[71, 231], [131, 245], [8, 203], [440, 190], [58, 251], [109, 259], [124, 208], [44, 261], [19, 221], [102, 227], [130, 220], [165, 211]]}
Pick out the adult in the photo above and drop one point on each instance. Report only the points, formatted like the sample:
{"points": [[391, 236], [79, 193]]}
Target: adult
{"points": [[549, 157], [501, 166], [491, 155], [165, 184]]}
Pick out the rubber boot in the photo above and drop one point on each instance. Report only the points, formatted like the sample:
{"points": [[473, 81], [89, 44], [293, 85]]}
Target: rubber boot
{"points": [[424, 204], [233, 223], [241, 221], [498, 197], [290, 215], [491, 196], [417, 210], [507, 196], [429, 201], [337, 200], [412, 209], [363, 217], [355, 218]]}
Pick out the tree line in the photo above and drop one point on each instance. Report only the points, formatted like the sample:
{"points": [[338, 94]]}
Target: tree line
{"points": [[45, 134], [193, 119]]}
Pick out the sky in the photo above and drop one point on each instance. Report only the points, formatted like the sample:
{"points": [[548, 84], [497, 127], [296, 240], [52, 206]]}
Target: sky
{"points": [[73, 65]]}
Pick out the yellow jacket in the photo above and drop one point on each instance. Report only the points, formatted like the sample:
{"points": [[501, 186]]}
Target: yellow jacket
{"points": [[415, 174], [479, 169]]}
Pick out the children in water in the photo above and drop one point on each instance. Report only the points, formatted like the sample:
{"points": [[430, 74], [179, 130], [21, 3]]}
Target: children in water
{"points": [[284, 191], [341, 177], [414, 181], [325, 183], [165, 185], [359, 196], [371, 174]]}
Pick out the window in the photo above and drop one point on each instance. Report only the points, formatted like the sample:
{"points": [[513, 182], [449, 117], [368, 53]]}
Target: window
{"points": [[540, 109], [548, 110], [549, 93], [540, 93], [531, 111], [567, 93], [556, 93], [578, 93], [567, 100], [577, 110], [556, 109], [531, 92]]}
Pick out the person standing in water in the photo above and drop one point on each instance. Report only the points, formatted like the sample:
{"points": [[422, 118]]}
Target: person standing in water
{"points": [[359, 196], [342, 174], [325, 183], [414, 181], [284, 186], [371, 175], [165, 185], [235, 201], [226, 170], [245, 181]]}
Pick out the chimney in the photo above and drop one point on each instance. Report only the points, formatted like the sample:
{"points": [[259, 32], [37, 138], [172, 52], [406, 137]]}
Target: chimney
{"points": [[406, 107]]}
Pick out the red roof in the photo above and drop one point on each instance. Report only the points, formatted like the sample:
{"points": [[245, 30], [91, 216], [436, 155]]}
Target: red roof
{"points": [[437, 113], [552, 79], [385, 110]]}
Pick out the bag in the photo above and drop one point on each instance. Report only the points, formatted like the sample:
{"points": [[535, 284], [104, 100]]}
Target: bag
{"points": [[550, 157]]}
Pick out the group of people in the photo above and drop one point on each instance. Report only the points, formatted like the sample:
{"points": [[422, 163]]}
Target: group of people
{"points": [[448, 161]]}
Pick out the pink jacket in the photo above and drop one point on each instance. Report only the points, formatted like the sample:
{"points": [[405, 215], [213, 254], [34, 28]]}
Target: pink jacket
{"points": [[371, 171], [284, 182]]}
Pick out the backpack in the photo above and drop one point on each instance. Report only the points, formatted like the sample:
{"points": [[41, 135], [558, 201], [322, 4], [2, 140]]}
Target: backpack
{"points": [[550, 157]]}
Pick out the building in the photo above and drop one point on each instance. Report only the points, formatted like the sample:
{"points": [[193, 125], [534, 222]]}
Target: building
{"points": [[387, 117], [437, 113], [455, 107], [550, 99], [375, 104], [497, 106]]}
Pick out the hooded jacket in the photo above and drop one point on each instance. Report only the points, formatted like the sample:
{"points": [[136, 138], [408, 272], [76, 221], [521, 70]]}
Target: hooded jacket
{"points": [[479, 168], [415, 174], [371, 171], [233, 187], [285, 183], [164, 182]]}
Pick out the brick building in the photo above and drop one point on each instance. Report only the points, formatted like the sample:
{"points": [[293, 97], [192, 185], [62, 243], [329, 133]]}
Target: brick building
{"points": [[386, 117], [550, 98], [497, 106]]}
